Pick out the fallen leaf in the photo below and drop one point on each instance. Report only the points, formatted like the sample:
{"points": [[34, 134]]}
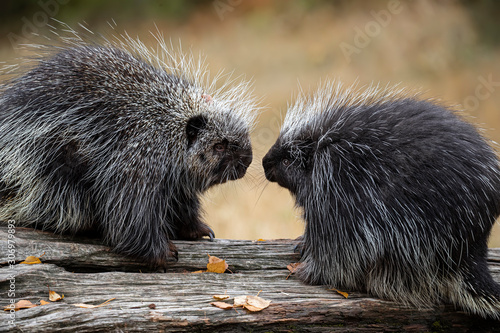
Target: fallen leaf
{"points": [[42, 302], [256, 303], [216, 265], [222, 305], [240, 301], [54, 297], [343, 293], [261, 240], [30, 260], [90, 306], [196, 272], [22, 304], [220, 297], [292, 268]]}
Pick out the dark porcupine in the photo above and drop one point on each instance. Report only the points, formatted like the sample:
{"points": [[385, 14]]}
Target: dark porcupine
{"points": [[122, 140], [399, 197]]}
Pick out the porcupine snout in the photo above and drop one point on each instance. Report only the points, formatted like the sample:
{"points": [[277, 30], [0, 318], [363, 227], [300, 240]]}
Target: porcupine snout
{"points": [[268, 168]]}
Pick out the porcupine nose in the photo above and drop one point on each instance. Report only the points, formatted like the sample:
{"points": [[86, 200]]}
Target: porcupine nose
{"points": [[268, 168]]}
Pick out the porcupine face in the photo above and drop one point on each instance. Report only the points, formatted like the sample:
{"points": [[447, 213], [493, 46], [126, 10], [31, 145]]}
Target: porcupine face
{"points": [[219, 150], [290, 164]]}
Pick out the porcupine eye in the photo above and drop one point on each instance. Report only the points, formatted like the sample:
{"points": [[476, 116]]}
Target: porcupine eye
{"points": [[285, 162], [219, 147]]}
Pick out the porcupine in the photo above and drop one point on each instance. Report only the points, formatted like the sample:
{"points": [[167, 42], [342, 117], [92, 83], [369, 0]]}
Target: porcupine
{"points": [[120, 139], [399, 195]]}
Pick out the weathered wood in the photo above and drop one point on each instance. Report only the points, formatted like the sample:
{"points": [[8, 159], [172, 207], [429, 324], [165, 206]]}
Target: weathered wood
{"points": [[87, 272]]}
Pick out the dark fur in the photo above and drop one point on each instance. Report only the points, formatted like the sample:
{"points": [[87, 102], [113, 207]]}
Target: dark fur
{"points": [[399, 198], [96, 138]]}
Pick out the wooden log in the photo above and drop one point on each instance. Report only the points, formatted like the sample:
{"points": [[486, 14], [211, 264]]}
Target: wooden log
{"points": [[177, 300]]}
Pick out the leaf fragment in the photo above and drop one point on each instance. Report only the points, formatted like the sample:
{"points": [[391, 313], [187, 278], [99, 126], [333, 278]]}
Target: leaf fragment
{"points": [[222, 305], [343, 293], [292, 267], [31, 260], [251, 303], [42, 302], [54, 297], [216, 265], [240, 301], [22, 304], [220, 297], [256, 303]]}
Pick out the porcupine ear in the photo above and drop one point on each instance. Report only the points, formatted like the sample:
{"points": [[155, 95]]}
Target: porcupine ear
{"points": [[193, 128]]}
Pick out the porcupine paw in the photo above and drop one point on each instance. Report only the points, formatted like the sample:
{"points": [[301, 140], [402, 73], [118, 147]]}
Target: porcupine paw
{"points": [[196, 232], [168, 258], [172, 254]]}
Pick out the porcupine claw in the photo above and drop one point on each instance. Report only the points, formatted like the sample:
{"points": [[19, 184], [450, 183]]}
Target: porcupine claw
{"points": [[211, 234], [299, 248]]}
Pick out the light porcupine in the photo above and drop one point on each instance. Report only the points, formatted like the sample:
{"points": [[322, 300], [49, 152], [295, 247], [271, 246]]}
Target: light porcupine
{"points": [[121, 139], [399, 196]]}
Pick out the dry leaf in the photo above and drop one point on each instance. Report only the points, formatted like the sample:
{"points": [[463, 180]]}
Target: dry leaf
{"points": [[222, 305], [216, 265], [196, 272], [343, 293], [256, 303], [240, 301], [22, 304], [30, 260], [261, 240], [251, 303], [42, 302], [293, 268], [54, 297], [90, 306], [220, 297]]}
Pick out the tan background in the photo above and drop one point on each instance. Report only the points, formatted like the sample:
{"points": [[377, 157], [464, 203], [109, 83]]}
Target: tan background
{"points": [[448, 48]]}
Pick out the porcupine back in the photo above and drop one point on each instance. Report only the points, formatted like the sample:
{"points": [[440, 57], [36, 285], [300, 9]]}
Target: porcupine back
{"points": [[120, 138], [399, 196]]}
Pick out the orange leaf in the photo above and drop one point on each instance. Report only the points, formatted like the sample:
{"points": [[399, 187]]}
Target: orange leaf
{"points": [[22, 304], [30, 260], [42, 302], [343, 293], [220, 297], [261, 240], [222, 305], [54, 297], [216, 265]]}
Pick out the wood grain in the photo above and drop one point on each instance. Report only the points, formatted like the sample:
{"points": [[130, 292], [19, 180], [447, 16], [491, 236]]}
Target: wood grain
{"points": [[177, 300]]}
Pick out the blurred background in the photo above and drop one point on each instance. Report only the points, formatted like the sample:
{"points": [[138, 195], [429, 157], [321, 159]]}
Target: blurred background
{"points": [[450, 49]]}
